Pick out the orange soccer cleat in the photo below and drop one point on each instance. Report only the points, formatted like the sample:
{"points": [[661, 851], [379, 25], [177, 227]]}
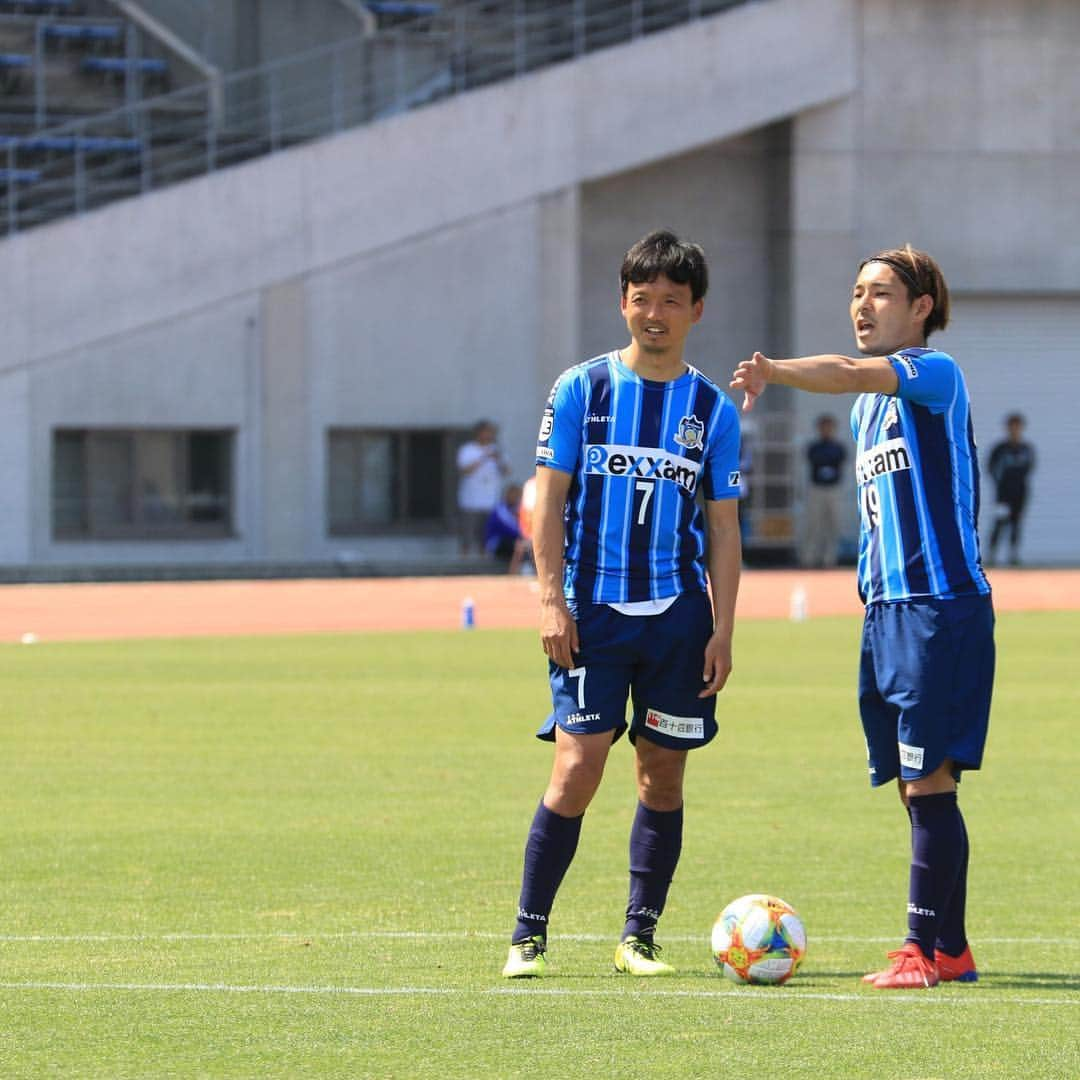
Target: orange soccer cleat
{"points": [[910, 970], [956, 968]]}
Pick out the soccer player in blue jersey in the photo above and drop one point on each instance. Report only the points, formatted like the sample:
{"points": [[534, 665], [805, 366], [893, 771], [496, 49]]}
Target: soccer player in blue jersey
{"points": [[927, 662], [626, 558]]}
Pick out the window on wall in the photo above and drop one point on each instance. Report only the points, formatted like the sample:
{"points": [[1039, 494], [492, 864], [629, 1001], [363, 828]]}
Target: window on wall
{"points": [[143, 484], [391, 480]]}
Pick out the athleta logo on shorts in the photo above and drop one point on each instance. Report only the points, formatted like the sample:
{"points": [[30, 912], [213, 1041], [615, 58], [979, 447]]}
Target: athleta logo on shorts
{"points": [[679, 727], [646, 463], [887, 457], [911, 756], [582, 718]]}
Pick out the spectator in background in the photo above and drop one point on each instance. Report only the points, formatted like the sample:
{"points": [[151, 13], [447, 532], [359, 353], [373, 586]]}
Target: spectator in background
{"points": [[502, 536], [1011, 463], [821, 526], [480, 471]]}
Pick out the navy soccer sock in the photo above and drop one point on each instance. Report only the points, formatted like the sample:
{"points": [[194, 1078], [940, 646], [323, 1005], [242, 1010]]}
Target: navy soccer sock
{"points": [[655, 846], [952, 935], [553, 839], [937, 846]]}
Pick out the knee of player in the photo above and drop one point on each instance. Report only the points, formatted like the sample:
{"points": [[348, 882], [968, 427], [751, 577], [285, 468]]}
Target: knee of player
{"points": [[661, 791], [572, 786]]}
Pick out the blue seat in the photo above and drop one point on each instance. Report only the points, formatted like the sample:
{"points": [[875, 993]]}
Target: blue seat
{"points": [[394, 7], [73, 32], [19, 176], [68, 144], [37, 7], [15, 60], [120, 65]]}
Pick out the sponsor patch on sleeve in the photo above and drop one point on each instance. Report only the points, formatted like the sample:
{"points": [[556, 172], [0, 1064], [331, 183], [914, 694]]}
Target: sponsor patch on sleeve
{"points": [[909, 366]]}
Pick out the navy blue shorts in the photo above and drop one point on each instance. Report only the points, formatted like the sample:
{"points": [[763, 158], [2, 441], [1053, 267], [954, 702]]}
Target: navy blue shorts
{"points": [[925, 681], [656, 661]]}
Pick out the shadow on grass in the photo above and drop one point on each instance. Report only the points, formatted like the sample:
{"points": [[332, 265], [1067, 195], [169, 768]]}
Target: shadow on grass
{"points": [[1031, 980], [813, 980]]}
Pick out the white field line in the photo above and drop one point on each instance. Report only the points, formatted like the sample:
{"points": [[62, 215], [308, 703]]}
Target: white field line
{"points": [[459, 935], [787, 995]]}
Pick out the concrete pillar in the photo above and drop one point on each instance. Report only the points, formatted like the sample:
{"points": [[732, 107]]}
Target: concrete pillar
{"points": [[284, 421]]}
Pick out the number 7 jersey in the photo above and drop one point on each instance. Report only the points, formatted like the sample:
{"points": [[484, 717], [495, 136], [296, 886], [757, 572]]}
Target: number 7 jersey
{"points": [[638, 452], [918, 482]]}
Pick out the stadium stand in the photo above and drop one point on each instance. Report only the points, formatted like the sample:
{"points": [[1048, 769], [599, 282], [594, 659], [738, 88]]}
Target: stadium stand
{"points": [[83, 101], [41, 7]]}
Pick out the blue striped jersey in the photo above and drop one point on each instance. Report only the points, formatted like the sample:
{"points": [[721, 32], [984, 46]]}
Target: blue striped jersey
{"points": [[918, 482], [638, 452]]}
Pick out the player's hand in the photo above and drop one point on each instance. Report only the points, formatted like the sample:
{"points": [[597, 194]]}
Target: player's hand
{"points": [[751, 377], [558, 633], [717, 664]]}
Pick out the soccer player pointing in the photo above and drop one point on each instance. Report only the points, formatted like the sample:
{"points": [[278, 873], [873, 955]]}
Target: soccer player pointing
{"points": [[927, 661], [621, 546]]}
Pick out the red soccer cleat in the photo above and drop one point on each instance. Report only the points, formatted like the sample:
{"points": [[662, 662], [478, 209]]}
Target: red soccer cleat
{"points": [[910, 970], [956, 968]]}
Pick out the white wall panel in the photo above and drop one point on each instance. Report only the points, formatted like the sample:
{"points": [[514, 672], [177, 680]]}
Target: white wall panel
{"points": [[1022, 354]]}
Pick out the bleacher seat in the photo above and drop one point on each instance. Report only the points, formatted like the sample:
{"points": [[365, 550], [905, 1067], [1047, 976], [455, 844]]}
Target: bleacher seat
{"points": [[394, 7], [19, 176], [68, 144], [75, 32], [40, 7], [121, 65], [12, 68]]}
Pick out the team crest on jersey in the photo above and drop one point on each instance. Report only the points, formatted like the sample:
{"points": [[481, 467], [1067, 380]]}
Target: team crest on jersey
{"points": [[892, 414], [690, 433]]}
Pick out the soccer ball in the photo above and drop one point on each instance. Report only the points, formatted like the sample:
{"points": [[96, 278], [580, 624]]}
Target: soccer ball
{"points": [[758, 939]]}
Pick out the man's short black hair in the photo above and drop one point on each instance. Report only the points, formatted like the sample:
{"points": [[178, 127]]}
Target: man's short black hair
{"points": [[662, 252]]}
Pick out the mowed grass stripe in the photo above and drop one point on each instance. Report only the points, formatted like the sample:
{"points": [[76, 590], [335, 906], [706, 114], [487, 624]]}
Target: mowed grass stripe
{"points": [[771, 996], [442, 935]]}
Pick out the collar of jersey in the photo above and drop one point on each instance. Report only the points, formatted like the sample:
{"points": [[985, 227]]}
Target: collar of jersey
{"points": [[629, 373]]}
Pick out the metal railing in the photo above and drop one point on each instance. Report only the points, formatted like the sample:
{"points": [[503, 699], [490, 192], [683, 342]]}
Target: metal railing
{"points": [[86, 163]]}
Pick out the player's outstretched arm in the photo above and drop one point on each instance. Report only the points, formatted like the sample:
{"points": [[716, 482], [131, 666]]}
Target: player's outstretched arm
{"points": [[558, 631], [725, 566], [826, 374]]}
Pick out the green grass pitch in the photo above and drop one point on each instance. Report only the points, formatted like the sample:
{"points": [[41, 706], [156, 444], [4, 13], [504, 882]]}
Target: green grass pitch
{"points": [[291, 857]]}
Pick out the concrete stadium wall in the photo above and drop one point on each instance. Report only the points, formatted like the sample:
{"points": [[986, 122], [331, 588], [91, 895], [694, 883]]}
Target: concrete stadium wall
{"points": [[356, 281]]}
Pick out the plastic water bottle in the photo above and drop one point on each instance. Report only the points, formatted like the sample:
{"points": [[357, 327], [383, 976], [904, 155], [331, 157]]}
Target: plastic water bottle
{"points": [[800, 609], [468, 614]]}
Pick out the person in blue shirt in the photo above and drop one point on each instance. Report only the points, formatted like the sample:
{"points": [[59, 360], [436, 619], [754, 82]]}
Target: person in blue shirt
{"points": [[1010, 464], [927, 663], [626, 558], [821, 527]]}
